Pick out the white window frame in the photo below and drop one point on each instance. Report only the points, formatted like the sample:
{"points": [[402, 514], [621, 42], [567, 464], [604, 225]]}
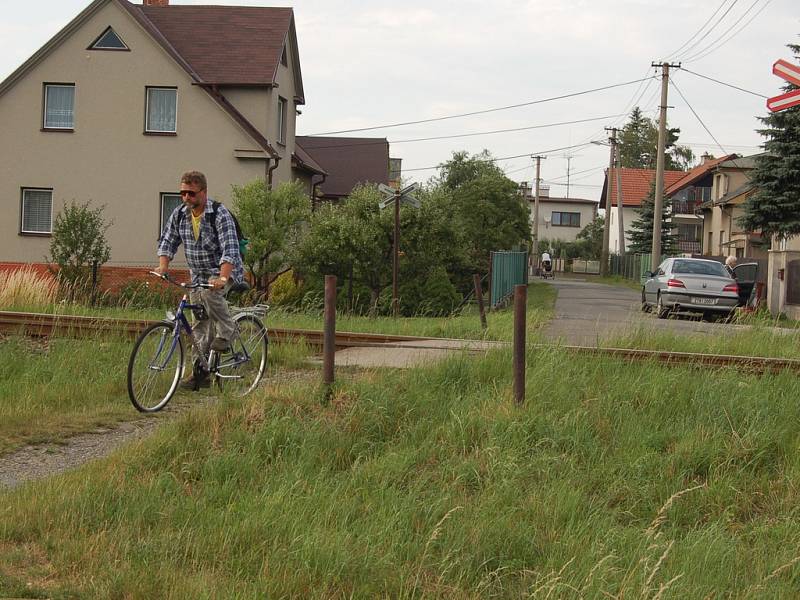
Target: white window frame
{"points": [[47, 127], [22, 229], [162, 221], [147, 111], [283, 109]]}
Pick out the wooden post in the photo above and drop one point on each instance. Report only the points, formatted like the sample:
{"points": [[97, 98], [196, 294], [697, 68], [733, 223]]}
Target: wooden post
{"points": [[479, 297], [520, 302], [396, 258], [329, 334]]}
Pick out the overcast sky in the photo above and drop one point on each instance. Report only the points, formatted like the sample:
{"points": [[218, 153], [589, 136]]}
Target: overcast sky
{"points": [[375, 63]]}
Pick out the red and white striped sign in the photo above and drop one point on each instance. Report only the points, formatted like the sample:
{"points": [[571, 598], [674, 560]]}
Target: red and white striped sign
{"points": [[791, 73], [786, 70], [784, 101]]}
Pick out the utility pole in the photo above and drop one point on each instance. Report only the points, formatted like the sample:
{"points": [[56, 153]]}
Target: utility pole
{"points": [[536, 213], [607, 220], [658, 205], [616, 165], [620, 204]]}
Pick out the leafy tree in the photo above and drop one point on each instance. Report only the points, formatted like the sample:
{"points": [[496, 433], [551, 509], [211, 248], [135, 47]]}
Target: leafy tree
{"points": [[774, 208], [590, 238], [638, 144], [352, 238], [487, 205], [78, 241], [641, 230], [274, 221]]}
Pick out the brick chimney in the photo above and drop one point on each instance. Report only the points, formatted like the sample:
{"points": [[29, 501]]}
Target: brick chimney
{"points": [[156, 2]]}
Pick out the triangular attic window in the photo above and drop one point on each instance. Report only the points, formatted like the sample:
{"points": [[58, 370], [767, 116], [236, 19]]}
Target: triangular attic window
{"points": [[108, 40], [284, 60]]}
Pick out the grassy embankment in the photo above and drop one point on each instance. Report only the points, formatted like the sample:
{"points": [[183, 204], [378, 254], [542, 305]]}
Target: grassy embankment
{"points": [[613, 480], [51, 391]]}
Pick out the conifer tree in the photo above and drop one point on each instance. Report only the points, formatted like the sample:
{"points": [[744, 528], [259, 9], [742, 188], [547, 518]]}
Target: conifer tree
{"points": [[641, 230], [774, 208]]}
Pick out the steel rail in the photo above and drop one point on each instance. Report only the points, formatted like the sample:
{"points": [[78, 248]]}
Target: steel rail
{"points": [[46, 325]]}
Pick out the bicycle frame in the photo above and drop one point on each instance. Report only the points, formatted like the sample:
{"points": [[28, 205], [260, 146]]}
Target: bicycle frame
{"points": [[180, 323]]}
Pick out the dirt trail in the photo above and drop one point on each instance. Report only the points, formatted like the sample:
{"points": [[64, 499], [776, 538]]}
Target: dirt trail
{"points": [[38, 461]]}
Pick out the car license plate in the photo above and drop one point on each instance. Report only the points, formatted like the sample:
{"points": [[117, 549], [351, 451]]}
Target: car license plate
{"points": [[704, 300]]}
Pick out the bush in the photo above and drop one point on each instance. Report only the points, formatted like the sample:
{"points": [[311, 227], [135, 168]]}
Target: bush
{"points": [[77, 242], [285, 290]]}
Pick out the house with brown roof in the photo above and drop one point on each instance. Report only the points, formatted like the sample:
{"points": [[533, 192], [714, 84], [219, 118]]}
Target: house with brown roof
{"points": [[635, 185], [348, 161], [127, 97]]}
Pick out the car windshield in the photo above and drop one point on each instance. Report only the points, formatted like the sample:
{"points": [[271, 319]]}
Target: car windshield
{"points": [[699, 267]]}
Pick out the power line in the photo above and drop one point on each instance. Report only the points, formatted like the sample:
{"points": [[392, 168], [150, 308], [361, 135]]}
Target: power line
{"points": [[703, 26], [527, 154], [705, 35], [677, 89], [711, 48], [481, 112], [460, 135], [730, 85]]}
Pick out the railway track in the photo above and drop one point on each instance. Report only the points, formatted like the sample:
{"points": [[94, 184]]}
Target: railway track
{"points": [[45, 325]]}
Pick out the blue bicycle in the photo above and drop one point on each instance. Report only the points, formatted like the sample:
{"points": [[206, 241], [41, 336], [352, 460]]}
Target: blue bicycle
{"points": [[156, 365]]}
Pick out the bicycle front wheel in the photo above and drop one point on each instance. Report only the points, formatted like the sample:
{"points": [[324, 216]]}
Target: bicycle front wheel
{"points": [[155, 367], [240, 370]]}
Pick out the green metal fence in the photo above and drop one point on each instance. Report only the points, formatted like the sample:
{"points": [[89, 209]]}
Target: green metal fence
{"points": [[508, 269], [632, 266]]}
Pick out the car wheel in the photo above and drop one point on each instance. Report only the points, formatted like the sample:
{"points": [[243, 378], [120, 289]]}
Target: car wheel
{"points": [[645, 305], [661, 311]]}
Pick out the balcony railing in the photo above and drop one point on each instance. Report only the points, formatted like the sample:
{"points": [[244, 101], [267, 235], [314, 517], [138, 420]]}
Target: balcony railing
{"points": [[684, 207]]}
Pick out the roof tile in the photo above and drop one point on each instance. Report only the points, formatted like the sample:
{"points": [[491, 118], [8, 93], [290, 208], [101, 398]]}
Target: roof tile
{"points": [[636, 184], [225, 44]]}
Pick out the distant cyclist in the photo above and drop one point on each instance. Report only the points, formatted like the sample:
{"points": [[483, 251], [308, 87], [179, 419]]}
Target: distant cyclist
{"points": [[212, 253]]}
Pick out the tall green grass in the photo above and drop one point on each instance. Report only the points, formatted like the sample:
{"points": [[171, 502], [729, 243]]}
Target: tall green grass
{"points": [[759, 339], [51, 390], [464, 324], [613, 480]]}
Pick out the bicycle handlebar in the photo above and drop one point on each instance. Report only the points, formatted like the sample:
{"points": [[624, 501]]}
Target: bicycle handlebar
{"points": [[186, 286]]}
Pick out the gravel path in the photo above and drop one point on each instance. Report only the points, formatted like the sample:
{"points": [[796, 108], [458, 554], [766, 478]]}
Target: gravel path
{"points": [[44, 460]]}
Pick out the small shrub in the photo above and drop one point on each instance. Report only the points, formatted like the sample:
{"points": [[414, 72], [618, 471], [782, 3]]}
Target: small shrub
{"points": [[27, 288], [285, 290]]}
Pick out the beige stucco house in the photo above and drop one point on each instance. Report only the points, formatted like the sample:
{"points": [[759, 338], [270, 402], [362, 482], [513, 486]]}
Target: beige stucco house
{"points": [[722, 235], [126, 98], [559, 218]]}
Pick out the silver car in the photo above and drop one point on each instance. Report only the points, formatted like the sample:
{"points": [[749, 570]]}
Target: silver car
{"points": [[690, 285]]}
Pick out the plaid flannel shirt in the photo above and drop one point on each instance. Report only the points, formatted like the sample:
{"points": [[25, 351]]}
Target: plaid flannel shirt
{"points": [[205, 254]]}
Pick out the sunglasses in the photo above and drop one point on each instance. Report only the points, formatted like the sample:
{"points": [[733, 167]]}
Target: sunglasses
{"points": [[189, 193]]}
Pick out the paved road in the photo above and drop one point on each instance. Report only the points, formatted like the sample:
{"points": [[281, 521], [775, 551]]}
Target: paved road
{"points": [[591, 314]]}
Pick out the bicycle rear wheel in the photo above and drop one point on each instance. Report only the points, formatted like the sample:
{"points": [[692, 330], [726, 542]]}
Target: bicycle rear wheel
{"points": [[240, 370], [155, 367]]}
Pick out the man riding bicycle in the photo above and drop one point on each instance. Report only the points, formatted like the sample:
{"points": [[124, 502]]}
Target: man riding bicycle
{"points": [[212, 253]]}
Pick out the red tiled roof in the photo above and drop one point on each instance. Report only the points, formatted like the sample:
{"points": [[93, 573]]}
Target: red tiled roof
{"points": [[695, 174], [348, 161], [224, 44], [636, 185]]}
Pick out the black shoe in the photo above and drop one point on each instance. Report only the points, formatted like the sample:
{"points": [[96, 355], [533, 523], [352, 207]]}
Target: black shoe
{"points": [[190, 384], [220, 344]]}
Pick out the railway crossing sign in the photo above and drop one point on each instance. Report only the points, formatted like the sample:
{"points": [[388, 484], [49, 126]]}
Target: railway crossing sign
{"points": [[397, 197], [404, 195], [791, 73]]}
